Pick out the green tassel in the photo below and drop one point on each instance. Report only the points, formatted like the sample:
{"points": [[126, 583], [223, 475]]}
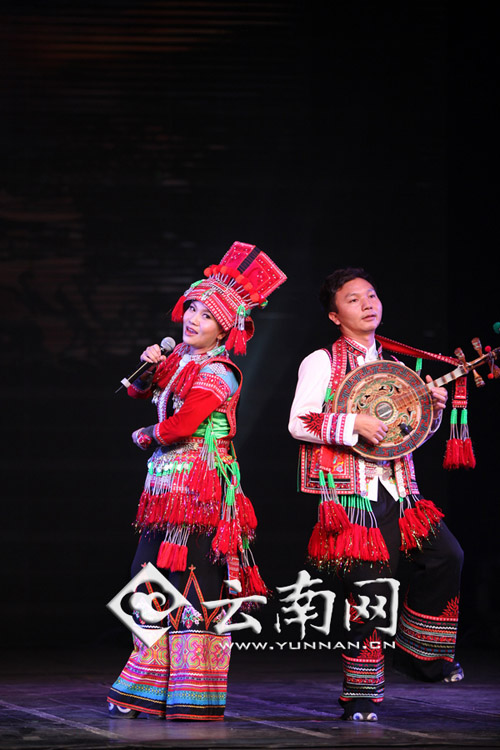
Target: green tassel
{"points": [[230, 495], [356, 501]]}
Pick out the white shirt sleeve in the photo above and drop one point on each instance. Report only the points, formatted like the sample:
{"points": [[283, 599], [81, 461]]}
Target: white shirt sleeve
{"points": [[313, 380], [314, 376]]}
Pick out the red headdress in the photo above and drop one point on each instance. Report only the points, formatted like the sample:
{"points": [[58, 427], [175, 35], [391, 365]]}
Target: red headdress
{"points": [[244, 279]]}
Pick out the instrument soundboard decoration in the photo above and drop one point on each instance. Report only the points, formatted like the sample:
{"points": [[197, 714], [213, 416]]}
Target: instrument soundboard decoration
{"points": [[395, 394]]}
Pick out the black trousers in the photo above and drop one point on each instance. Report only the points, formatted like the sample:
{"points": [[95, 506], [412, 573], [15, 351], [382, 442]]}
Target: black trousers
{"points": [[428, 607], [209, 575]]}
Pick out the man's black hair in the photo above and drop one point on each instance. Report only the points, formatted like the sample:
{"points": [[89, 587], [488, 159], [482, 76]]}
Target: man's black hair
{"points": [[336, 281]]}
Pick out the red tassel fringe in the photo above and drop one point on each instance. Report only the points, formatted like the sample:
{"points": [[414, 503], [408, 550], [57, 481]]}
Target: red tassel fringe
{"points": [[227, 538], [377, 544], [159, 511], [252, 582], [333, 517], [351, 543], [237, 340], [178, 311], [246, 514], [172, 556], [318, 548], [417, 523]]}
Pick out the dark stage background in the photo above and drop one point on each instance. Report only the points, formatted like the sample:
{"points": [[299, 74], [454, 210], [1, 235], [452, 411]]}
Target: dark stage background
{"points": [[138, 141]]}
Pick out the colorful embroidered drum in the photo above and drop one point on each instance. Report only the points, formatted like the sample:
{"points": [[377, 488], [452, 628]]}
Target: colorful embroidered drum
{"points": [[397, 396]]}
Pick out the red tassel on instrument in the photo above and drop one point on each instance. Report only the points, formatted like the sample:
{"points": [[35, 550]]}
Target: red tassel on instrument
{"points": [[452, 454], [459, 452], [468, 457]]}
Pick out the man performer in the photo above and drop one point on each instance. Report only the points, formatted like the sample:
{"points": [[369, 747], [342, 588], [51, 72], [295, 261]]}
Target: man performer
{"points": [[371, 512]]}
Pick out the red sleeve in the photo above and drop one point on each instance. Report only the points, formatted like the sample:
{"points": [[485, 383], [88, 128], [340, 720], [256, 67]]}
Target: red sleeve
{"points": [[199, 404], [136, 392]]}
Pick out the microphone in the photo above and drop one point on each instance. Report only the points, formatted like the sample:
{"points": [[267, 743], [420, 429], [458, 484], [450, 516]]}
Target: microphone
{"points": [[166, 346], [496, 327]]}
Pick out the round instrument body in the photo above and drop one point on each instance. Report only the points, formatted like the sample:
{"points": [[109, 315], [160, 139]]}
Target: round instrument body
{"points": [[397, 396]]}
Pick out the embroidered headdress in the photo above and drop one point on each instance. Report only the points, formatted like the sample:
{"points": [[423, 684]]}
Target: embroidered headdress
{"points": [[244, 279]]}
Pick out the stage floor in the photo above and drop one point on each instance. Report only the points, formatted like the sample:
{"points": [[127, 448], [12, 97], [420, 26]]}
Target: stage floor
{"points": [[279, 700]]}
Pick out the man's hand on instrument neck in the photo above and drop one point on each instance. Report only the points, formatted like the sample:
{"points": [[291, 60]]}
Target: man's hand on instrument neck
{"points": [[439, 396]]}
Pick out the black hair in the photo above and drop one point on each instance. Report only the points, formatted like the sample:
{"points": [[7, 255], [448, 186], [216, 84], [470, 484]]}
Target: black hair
{"points": [[336, 281]]}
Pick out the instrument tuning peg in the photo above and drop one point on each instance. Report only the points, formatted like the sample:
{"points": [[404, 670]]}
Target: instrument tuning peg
{"points": [[478, 379], [494, 369], [477, 346], [461, 357], [479, 349]]}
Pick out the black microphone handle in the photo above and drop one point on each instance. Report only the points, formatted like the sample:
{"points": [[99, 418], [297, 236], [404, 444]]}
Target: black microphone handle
{"points": [[140, 370], [167, 345]]}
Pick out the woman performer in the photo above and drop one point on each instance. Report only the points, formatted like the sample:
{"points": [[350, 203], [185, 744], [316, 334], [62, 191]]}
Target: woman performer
{"points": [[196, 523]]}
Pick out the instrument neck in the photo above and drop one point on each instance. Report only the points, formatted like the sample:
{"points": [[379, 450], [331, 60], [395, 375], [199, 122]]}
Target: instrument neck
{"points": [[458, 372]]}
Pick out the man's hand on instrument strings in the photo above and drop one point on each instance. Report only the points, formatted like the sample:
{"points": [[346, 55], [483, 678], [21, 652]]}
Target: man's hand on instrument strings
{"points": [[439, 396], [370, 428]]}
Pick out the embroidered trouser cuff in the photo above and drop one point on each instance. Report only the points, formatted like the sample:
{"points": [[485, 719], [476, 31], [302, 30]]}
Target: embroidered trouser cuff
{"points": [[363, 678], [427, 637]]}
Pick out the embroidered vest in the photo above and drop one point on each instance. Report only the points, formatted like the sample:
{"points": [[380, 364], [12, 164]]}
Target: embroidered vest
{"points": [[172, 381], [350, 471]]}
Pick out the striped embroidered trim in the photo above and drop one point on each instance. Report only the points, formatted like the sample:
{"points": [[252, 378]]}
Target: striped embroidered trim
{"points": [[363, 679], [340, 428], [427, 637]]}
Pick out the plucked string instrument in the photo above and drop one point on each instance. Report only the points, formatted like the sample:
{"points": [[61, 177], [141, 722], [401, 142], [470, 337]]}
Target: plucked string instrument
{"points": [[395, 394]]}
